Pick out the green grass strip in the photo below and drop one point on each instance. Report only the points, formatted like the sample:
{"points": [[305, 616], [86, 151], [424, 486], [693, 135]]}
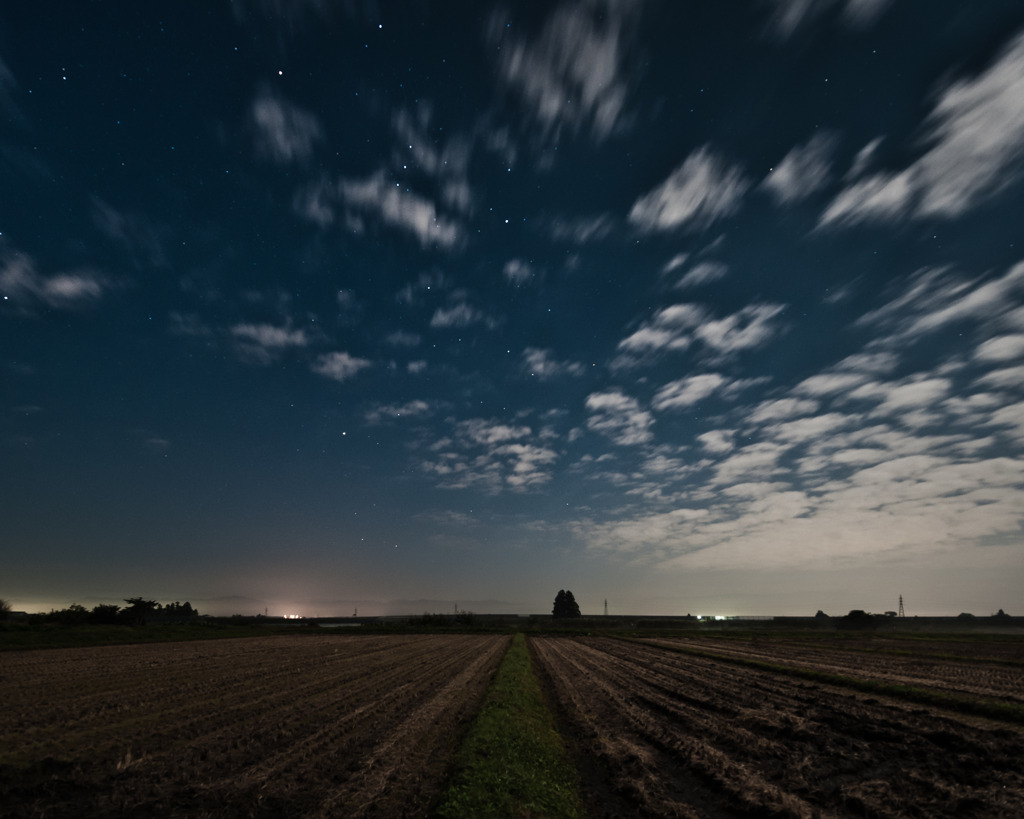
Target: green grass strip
{"points": [[513, 761], [1004, 711]]}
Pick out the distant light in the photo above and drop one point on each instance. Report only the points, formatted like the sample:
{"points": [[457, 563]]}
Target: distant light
{"points": [[280, 73]]}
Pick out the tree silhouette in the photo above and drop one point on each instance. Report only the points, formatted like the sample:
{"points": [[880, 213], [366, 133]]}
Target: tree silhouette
{"points": [[105, 613], [565, 605], [139, 608], [5, 609]]}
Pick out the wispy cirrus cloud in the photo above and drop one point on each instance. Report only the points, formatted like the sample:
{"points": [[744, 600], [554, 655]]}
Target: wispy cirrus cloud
{"points": [[579, 56], [24, 288], [283, 132], [789, 16]]}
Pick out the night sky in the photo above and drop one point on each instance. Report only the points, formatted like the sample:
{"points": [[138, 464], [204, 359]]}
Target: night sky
{"points": [[693, 307]]}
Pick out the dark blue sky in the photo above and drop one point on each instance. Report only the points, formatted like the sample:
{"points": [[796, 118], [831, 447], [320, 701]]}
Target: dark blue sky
{"points": [[690, 307]]}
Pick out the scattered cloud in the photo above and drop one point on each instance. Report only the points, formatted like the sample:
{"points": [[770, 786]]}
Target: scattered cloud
{"points": [[935, 298], [803, 171], [490, 456], [425, 285], [339, 366], [1001, 348], [700, 191], [717, 441], [24, 288], [702, 273], [788, 16], [401, 208], [417, 149], [619, 417], [687, 391], [782, 409], [877, 197], [395, 412], [135, 234], [975, 139], [284, 132], [539, 363], [517, 272], [749, 327], [403, 338], [675, 262], [582, 230], [903, 395], [573, 76], [668, 330], [269, 336], [460, 315], [680, 326]]}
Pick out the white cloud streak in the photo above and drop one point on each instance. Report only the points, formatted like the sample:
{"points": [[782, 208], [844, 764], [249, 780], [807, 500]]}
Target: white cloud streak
{"points": [[339, 366], [975, 139], [803, 171], [702, 190]]}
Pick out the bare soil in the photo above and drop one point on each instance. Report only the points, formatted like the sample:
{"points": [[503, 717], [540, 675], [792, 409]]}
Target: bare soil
{"points": [[679, 735], [994, 671], [331, 725]]}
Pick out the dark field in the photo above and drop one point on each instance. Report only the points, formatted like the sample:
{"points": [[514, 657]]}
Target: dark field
{"points": [[367, 725], [276, 726], [686, 734]]}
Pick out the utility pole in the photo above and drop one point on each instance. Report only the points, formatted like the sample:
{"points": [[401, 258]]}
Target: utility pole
{"points": [[901, 614]]}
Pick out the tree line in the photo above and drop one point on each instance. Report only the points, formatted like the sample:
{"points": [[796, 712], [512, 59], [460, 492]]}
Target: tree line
{"points": [[138, 611]]}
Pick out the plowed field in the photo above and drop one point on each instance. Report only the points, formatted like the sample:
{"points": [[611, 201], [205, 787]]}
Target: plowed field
{"points": [[994, 670], [681, 735], [332, 725]]}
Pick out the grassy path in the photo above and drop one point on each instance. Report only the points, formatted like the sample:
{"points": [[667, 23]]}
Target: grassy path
{"points": [[513, 761]]}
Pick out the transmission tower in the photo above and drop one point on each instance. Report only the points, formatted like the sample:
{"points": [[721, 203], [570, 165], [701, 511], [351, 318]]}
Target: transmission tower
{"points": [[901, 614], [606, 607]]}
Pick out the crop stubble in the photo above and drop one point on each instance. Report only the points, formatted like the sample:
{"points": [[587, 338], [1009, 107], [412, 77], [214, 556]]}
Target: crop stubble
{"points": [[319, 725], [682, 735]]}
